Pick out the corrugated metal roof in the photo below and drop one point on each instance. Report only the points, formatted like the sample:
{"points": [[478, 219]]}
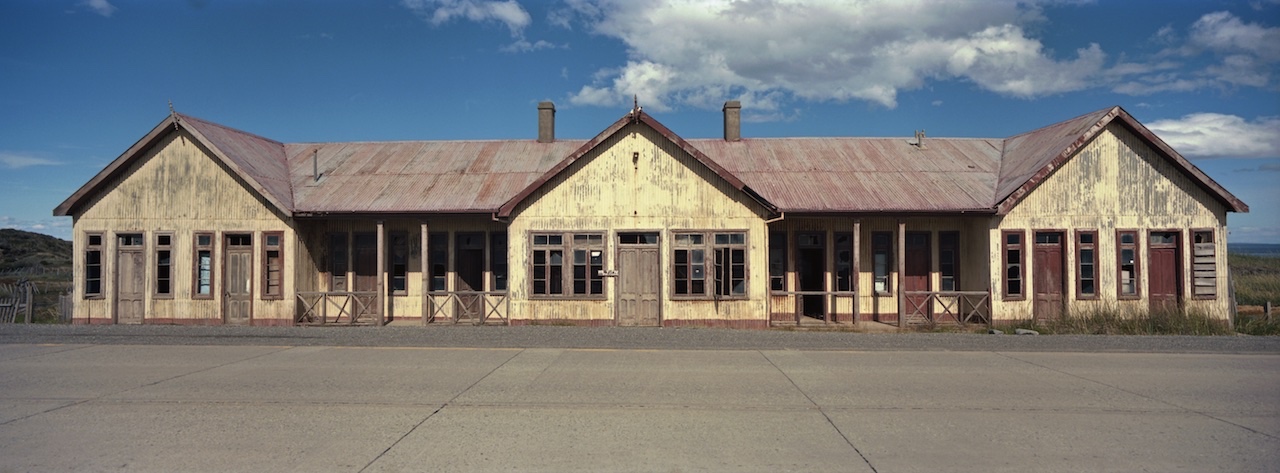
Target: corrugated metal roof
{"points": [[417, 176], [864, 174], [851, 175]]}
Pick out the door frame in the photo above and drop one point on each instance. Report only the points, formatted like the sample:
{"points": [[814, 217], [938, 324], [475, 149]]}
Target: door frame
{"points": [[226, 254], [115, 287], [1178, 247], [825, 248], [1036, 280], [617, 271], [929, 249]]}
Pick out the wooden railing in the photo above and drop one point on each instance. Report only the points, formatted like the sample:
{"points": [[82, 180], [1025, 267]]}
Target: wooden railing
{"points": [[476, 307], [336, 307], [830, 302], [940, 307]]}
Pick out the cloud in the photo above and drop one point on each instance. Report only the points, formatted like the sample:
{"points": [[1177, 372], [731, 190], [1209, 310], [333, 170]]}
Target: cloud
{"points": [[56, 226], [1220, 51], [101, 7], [1215, 135], [523, 46], [1262, 168], [438, 12], [706, 52], [17, 161]]}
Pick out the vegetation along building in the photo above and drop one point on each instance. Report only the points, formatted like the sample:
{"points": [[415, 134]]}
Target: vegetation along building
{"points": [[198, 223]]}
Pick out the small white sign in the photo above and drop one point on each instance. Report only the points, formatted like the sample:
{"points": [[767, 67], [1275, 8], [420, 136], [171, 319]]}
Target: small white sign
{"points": [[609, 273]]}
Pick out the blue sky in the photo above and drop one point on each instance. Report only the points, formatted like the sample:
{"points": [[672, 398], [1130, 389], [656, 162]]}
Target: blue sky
{"points": [[81, 81]]}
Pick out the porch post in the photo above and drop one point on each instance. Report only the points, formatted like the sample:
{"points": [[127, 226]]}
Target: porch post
{"points": [[856, 272], [829, 276], [902, 269], [382, 274], [425, 268]]}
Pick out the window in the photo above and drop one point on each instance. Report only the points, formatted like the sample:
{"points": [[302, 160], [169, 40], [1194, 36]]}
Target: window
{"points": [[93, 265], [337, 261], [399, 262], [731, 264], [949, 261], [272, 265], [1204, 264], [588, 264], [498, 260], [845, 276], [778, 261], [690, 272], [203, 266], [548, 265], [1014, 257], [881, 251], [726, 253], [439, 259], [164, 265], [1086, 264], [1127, 264]]}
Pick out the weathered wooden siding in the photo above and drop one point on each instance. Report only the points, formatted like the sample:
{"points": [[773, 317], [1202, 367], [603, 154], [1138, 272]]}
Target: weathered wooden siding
{"points": [[1114, 182], [178, 188], [638, 181]]}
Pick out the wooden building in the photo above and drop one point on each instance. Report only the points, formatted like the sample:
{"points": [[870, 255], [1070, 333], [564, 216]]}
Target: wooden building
{"points": [[198, 223]]}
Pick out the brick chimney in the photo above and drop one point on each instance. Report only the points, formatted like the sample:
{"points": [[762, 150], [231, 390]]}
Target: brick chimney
{"points": [[546, 122], [733, 121]]}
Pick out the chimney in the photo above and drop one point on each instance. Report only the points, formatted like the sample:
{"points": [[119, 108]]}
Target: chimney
{"points": [[546, 122], [733, 120]]}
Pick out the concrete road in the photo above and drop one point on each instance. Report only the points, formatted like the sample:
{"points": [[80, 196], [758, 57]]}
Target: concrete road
{"points": [[69, 407]]}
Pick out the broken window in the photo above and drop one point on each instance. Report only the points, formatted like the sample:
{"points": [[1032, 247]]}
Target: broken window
{"points": [[1204, 263], [882, 260]]}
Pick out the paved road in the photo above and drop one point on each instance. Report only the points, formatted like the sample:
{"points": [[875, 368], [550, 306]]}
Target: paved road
{"points": [[278, 406]]}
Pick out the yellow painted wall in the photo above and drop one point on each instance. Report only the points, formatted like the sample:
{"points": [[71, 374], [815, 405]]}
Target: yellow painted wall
{"points": [[637, 180], [1114, 182], [178, 187]]}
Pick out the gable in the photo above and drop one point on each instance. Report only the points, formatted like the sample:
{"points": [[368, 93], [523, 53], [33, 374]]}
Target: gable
{"points": [[639, 176], [634, 122], [257, 162], [175, 180], [1117, 175], [1030, 158]]}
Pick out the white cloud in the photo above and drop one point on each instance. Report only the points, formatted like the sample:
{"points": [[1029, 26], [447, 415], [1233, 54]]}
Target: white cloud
{"points": [[101, 7], [523, 46], [1215, 135], [18, 161], [438, 12], [1220, 51], [709, 51]]}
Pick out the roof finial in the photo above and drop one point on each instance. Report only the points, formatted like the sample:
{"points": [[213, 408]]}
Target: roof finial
{"points": [[173, 114]]}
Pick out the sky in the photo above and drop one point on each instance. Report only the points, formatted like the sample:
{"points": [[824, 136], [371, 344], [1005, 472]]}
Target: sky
{"points": [[82, 81]]}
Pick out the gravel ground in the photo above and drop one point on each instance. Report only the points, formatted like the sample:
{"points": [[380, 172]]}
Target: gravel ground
{"points": [[620, 338]]}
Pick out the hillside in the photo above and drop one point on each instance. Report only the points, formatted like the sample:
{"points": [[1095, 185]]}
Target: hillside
{"points": [[22, 250]]}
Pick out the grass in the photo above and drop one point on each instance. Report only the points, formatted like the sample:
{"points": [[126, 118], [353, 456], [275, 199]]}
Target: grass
{"points": [[1116, 320], [1257, 279]]}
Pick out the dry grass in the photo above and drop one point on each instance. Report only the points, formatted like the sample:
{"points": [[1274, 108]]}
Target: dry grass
{"points": [[1115, 320]]}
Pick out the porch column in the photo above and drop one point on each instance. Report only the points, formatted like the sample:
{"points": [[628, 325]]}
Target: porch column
{"points": [[829, 276], [426, 272], [856, 271], [382, 274], [902, 269]]}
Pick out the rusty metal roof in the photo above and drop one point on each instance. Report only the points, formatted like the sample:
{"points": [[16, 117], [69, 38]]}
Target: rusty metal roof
{"points": [[417, 176], [818, 175], [864, 174]]}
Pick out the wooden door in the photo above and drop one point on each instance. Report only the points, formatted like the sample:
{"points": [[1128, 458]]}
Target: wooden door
{"points": [[639, 285], [1049, 276], [1164, 282], [237, 284], [917, 263], [131, 279], [811, 273], [365, 262], [468, 271]]}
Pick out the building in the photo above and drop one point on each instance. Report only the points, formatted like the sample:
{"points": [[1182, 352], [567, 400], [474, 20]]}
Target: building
{"points": [[198, 223]]}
